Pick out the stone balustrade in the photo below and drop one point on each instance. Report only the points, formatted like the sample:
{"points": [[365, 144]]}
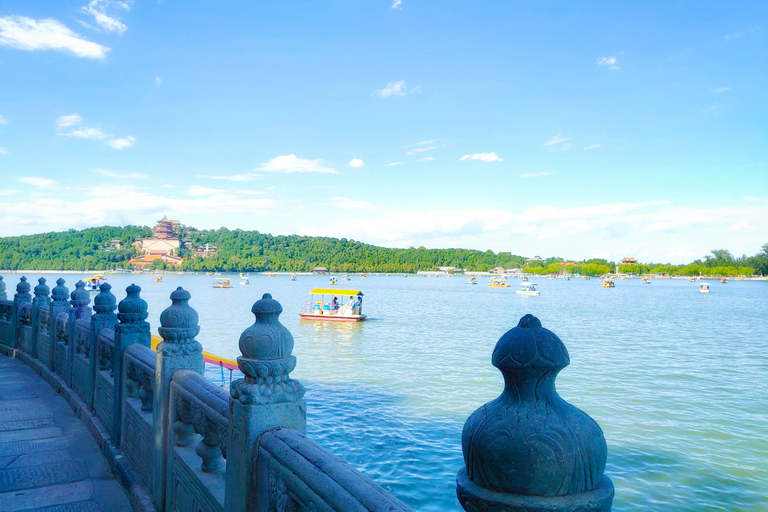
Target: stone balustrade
{"points": [[178, 440]]}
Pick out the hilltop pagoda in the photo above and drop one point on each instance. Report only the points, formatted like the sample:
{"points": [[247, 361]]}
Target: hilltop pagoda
{"points": [[164, 245]]}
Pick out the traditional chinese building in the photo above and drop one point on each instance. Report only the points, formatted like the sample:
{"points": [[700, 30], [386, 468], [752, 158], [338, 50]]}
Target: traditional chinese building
{"points": [[163, 245], [629, 261]]}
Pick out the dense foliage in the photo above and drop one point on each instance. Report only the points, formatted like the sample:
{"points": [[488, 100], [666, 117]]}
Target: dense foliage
{"points": [[251, 251]]}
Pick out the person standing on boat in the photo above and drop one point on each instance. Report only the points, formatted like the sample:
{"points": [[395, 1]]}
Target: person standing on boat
{"points": [[351, 305], [359, 305], [334, 304]]}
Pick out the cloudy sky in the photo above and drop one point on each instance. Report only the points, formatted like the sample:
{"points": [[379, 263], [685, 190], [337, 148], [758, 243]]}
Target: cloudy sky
{"points": [[550, 129]]}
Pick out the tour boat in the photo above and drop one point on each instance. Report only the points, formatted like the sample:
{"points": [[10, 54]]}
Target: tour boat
{"points": [[524, 278], [222, 282], [528, 289], [498, 283], [704, 288], [344, 277], [646, 280], [608, 283], [723, 280], [208, 274], [333, 280], [323, 307], [244, 280], [472, 280], [293, 277], [158, 279], [92, 283]]}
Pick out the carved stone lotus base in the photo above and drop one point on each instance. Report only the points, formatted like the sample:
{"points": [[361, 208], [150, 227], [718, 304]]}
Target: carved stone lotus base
{"points": [[478, 499]]}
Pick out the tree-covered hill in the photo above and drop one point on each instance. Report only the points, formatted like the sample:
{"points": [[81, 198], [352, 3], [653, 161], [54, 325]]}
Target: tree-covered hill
{"points": [[251, 251]]}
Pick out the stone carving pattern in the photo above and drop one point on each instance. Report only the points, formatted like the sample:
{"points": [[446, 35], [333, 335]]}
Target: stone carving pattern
{"points": [[106, 351], [25, 314], [62, 328], [6, 311], [266, 361], [141, 381], [82, 340], [44, 321]]}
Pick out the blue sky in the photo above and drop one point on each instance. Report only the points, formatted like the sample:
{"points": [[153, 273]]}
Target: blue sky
{"points": [[545, 129]]}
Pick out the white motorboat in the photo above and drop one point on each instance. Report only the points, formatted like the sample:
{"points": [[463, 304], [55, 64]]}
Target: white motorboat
{"points": [[528, 289]]}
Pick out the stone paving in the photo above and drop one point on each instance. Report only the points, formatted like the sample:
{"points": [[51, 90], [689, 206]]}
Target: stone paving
{"points": [[48, 459]]}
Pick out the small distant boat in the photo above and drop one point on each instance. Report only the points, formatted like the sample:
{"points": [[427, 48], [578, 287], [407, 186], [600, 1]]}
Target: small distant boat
{"points": [[208, 274], [92, 283], [693, 279], [364, 274], [293, 277], [158, 279], [222, 282], [528, 289], [608, 283], [244, 280], [348, 310], [586, 278], [498, 283], [646, 280], [472, 280], [344, 277], [704, 288], [723, 280], [524, 278], [333, 280]]}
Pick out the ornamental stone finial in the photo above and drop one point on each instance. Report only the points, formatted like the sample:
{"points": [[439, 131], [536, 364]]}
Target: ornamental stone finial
{"points": [[530, 450], [80, 296], [266, 361], [179, 320], [132, 309], [41, 289], [23, 287], [60, 292], [104, 301]]}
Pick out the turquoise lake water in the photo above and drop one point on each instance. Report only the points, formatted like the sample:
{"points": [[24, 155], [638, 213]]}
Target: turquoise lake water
{"points": [[676, 379]]}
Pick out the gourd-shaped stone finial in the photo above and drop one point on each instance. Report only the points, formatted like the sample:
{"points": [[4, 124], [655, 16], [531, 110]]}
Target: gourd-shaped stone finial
{"points": [[132, 309], [529, 449], [60, 293], [41, 289], [80, 296], [104, 302], [23, 287], [179, 320], [266, 361]]}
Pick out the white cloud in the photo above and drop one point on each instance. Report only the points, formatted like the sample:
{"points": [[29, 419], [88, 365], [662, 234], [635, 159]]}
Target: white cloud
{"points": [[594, 146], [123, 143], [37, 182], [393, 164], [196, 190], [753, 199], [67, 121], [535, 174], [121, 175], [109, 22], [426, 159], [8, 192], [158, 80], [234, 177], [356, 162], [485, 157], [353, 204], [3, 151], [47, 34], [608, 61], [421, 150], [86, 133], [290, 163], [744, 224], [557, 139], [2, 120], [396, 4], [720, 90], [424, 142], [394, 89]]}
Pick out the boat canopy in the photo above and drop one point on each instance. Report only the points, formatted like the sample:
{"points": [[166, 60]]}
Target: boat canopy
{"points": [[333, 291]]}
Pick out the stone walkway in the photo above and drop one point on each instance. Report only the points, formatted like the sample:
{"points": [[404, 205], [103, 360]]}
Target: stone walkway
{"points": [[48, 459]]}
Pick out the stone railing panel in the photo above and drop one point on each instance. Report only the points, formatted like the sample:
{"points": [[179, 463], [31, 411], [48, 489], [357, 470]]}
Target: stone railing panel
{"points": [[44, 336], [197, 446], [104, 385], [60, 343], [294, 473], [82, 380], [137, 428], [6, 322]]}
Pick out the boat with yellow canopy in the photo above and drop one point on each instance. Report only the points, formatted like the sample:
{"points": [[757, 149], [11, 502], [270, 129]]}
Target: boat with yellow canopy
{"points": [[325, 305]]}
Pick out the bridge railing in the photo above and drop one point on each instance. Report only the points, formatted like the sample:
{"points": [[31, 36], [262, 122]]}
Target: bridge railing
{"points": [[192, 444]]}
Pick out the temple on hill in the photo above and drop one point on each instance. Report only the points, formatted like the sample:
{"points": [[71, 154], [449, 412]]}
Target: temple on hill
{"points": [[164, 245], [628, 261]]}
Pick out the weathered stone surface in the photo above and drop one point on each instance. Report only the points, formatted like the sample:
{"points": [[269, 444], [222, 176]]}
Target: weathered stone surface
{"points": [[42, 476], [6, 426], [11, 405], [34, 459], [35, 499], [31, 413], [530, 450], [42, 445], [81, 506], [29, 434]]}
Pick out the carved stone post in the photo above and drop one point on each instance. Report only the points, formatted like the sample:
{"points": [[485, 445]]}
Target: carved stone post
{"points": [[266, 398], [132, 328], [22, 297], [42, 300], [530, 450], [79, 300], [59, 310], [3, 295], [179, 350], [104, 305]]}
